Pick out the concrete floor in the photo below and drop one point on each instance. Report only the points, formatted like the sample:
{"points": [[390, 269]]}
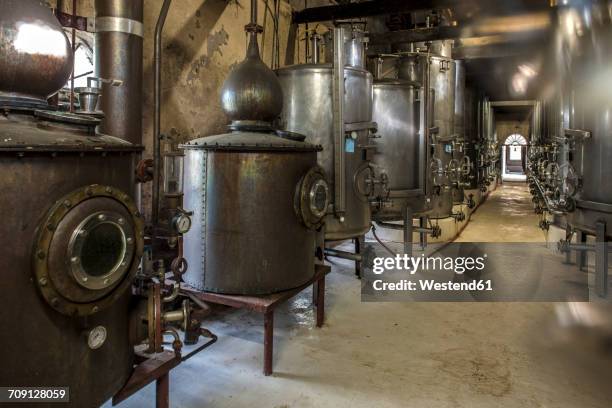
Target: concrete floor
{"points": [[401, 354], [506, 216]]}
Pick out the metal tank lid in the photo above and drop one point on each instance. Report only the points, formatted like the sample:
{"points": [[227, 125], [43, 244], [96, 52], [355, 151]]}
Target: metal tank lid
{"points": [[322, 67], [251, 141], [49, 131]]}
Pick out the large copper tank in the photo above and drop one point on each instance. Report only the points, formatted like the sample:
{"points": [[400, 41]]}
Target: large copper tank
{"points": [[257, 198], [71, 239]]}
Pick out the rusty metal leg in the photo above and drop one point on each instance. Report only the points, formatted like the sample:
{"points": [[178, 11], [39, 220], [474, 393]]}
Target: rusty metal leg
{"points": [[315, 295], [162, 389], [268, 342], [581, 256], [423, 235], [568, 254], [359, 241], [408, 231], [320, 301], [601, 260]]}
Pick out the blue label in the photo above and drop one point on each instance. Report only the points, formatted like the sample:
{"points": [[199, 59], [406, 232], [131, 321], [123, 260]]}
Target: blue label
{"points": [[349, 145], [448, 148]]}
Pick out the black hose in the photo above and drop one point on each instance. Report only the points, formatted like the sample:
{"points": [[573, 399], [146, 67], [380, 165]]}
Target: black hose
{"points": [[380, 242]]}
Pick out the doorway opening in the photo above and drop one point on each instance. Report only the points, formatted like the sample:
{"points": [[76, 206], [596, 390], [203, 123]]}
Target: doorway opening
{"points": [[514, 152]]}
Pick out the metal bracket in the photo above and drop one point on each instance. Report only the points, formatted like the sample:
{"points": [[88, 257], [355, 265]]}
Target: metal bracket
{"points": [[77, 22]]}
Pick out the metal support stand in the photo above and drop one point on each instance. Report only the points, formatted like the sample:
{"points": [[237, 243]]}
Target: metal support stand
{"points": [[162, 391], [581, 255], [267, 304], [156, 368], [408, 230], [601, 260], [568, 254], [422, 235]]}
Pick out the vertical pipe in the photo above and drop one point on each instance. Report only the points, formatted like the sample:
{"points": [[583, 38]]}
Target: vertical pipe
{"points": [[118, 55], [74, 13], [157, 61], [253, 11], [338, 115], [408, 214]]}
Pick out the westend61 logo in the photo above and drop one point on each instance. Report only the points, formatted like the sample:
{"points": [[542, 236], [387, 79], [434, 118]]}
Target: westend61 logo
{"points": [[459, 265]]}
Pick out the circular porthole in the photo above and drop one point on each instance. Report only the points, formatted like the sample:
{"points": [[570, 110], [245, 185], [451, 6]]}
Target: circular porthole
{"points": [[88, 250], [101, 249], [312, 198]]}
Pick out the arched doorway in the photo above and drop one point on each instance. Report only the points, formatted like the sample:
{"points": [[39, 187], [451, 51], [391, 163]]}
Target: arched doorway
{"points": [[514, 152]]}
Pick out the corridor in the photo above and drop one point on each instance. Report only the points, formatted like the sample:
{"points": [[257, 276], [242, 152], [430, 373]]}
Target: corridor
{"points": [[506, 216]]}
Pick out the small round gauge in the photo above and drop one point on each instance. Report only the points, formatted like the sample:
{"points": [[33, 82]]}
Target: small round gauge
{"points": [[96, 337], [182, 223]]}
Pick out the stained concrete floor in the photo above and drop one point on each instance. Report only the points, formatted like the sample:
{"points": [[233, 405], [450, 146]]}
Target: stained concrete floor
{"points": [[401, 354], [506, 216]]}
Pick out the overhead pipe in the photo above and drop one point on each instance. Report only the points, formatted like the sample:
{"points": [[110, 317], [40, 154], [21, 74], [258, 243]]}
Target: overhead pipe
{"points": [[157, 63]]}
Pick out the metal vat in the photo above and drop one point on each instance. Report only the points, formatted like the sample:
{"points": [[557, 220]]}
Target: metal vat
{"points": [[438, 75], [71, 244], [246, 236], [307, 109], [399, 151], [257, 198]]}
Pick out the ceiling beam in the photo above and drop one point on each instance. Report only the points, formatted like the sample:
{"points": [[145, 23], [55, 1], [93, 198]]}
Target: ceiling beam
{"points": [[364, 9], [519, 26], [382, 7], [512, 103]]}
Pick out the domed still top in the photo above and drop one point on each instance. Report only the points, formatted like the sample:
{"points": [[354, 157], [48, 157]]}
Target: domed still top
{"points": [[251, 93], [35, 54]]}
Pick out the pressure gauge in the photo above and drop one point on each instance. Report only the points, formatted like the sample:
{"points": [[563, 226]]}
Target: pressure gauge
{"points": [[182, 223], [96, 337]]}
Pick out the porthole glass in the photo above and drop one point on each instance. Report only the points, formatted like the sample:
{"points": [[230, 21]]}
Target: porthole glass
{"points": [[103, 249]]}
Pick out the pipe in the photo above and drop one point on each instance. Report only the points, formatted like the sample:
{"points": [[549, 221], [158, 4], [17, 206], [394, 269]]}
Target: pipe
{"points": [[253, 11], [74, 12], [118, 55], [157, 61], [343, 254]]}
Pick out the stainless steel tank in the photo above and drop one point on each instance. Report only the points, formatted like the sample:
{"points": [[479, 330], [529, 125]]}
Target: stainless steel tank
{"points": [[399, 150], [472, 136], [257, 198], [437, 74], [458, 168], [72, 236], [307, 109], [590, 75]]}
